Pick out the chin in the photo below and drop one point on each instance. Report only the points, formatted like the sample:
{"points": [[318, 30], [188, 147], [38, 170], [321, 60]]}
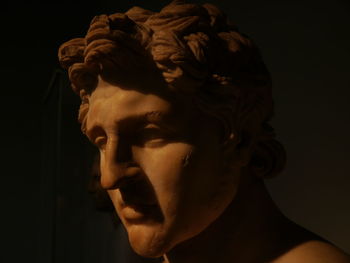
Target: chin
{"points": [[148, 241], [155, 240]]}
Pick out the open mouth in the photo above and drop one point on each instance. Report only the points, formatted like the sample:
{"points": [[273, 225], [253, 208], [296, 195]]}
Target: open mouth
{"points": [[139, 202], [138, 192], [140, 214]]}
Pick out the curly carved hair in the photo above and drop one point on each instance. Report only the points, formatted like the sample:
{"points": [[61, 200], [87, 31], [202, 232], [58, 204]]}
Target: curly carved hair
{"points": [[198, 53]]}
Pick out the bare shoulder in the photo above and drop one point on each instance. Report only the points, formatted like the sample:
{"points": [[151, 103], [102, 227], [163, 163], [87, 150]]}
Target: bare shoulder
{"points": [[314, 252]]}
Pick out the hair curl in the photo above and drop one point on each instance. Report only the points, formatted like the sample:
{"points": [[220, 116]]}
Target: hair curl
{"points": [[198, 53]]}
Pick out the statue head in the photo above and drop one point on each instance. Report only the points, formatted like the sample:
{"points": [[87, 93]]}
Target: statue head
{"points": [[178, 103]]}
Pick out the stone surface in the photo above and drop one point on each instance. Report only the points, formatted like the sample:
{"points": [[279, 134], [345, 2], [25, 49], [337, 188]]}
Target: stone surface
{"points": [[178, 104]]}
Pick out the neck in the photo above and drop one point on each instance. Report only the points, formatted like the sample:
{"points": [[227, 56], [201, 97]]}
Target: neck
{"points": [[251, 223]]}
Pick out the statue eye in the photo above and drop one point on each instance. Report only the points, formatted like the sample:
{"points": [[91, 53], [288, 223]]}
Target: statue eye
{"points": [[151, 137], [100, 142]]}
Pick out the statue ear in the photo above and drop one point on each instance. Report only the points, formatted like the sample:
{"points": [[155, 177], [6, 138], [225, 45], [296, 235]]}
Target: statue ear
{"points": [[268, 158], [237, 149]]}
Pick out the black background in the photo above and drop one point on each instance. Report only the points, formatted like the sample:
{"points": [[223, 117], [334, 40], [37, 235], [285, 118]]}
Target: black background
{"points": [[305, 45]]}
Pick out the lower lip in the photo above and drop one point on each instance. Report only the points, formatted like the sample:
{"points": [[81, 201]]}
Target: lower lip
{"points": [[137, 214]]}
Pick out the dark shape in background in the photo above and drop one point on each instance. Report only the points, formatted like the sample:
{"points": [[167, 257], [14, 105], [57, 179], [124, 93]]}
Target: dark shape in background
{"points": [[306, 48]]}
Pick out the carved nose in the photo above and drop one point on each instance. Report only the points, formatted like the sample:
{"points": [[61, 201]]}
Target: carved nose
{"points": [[116, 164]]}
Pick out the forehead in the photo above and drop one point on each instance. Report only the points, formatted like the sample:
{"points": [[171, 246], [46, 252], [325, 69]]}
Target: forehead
{"points": [[112, 103], [107, 97]]}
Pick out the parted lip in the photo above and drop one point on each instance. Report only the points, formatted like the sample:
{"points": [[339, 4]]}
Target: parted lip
{"points": [[146, 210], [141, 213], [138, 206], [139, 203], [138, 193]]}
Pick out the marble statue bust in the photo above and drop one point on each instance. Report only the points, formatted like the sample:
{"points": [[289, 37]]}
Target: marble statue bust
{"points": [[178, 104]]}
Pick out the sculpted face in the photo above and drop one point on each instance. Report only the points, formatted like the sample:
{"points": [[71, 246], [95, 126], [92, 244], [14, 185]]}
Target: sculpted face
{"points": [[161, 163]]}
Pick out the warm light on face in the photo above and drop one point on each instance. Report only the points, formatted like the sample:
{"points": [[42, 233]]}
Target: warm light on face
{"points": [[162, 165]]}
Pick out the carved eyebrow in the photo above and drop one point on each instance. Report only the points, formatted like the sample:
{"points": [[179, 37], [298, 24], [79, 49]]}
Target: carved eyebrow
{"points": [[132, 122], [153, 116], [129, 122]]}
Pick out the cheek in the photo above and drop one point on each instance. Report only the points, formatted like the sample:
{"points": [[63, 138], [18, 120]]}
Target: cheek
{"points": [[210, 188], [164, 166], [184, 175]]}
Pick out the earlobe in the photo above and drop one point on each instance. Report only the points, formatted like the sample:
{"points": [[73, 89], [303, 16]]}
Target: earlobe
{"points": [[228, 145], [237, 149]]}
